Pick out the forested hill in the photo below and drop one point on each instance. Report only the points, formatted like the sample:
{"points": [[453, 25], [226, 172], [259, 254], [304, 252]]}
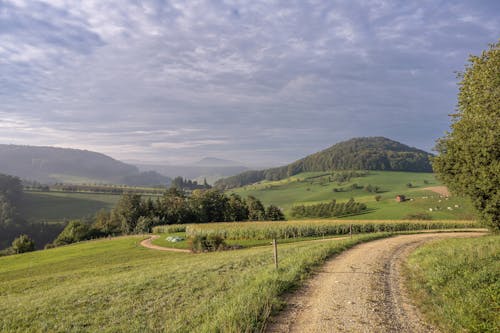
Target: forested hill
{"points": [[369, 153], [51, 164]]}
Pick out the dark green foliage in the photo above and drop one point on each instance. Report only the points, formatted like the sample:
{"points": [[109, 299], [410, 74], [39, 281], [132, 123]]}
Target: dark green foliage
{"points": [[207, 243], [75, 231], [256, 210], [419, 216], [12, 224], [23, 244], [372, 188], [331, 209], [237, 209], [469, 156], [11, 188], [209, 205], [188, 184], [274, 213], [378, 197], [372, 153], [127, 211]]}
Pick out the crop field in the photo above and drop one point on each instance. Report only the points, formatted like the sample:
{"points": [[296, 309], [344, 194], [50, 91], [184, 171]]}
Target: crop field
{"points": [[116, 286], [456, 283], [249, 234], [58, 206], [315, 187]]}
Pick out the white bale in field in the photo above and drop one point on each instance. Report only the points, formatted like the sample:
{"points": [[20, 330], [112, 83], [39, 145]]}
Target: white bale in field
{"points": [[430, 209]]}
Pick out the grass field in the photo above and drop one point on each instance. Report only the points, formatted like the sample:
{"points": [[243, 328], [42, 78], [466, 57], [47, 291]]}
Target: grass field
{"points": [[314, 187], [456, 283], [117, 286], [58, 206]]}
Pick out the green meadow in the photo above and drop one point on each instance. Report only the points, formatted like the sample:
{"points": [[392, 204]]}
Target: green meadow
{"points": [[315, 187], [118, 286], [60, 206]]}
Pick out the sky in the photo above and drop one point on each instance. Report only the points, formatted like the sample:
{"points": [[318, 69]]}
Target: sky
{"points": [[259, 82]]}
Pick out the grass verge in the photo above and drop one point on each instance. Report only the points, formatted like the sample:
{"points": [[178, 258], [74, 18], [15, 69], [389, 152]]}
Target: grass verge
{"points": [[456, 283]]}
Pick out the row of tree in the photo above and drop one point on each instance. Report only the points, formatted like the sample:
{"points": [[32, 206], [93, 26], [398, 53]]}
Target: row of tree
{"points": [[330, 209], [134, 214]]}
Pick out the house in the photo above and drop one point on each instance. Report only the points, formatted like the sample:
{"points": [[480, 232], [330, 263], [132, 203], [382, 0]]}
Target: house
{"points": [[400, 198]]}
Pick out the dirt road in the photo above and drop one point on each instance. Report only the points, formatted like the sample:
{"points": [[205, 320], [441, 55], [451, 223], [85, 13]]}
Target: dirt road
{"points": [[441, 190], [148, 243], [359, 291]]}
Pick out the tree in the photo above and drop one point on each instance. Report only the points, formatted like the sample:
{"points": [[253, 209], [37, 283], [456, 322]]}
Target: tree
{"points": [[237, 209], [128, 210], [75, 231], [256, 211], [274, 213], [22, 244], [469, 156]]}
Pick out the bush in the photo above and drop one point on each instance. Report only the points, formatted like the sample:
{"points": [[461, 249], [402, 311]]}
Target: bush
{"points": [[207, 243], [419, 216], [378, 197], [23, 244], [75, 231]]}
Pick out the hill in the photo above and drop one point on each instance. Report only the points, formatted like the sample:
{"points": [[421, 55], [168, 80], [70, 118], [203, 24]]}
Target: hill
{"points": [[376, 189], [370, 153], [51, 165], [197, 172], [216, 162]]}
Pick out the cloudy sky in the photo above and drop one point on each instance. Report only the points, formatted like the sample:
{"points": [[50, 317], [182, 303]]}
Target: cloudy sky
{"points": [[261, 82]]}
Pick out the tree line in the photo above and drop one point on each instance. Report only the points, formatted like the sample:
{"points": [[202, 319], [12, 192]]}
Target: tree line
{"points": [[330, 209], [134, 214]]}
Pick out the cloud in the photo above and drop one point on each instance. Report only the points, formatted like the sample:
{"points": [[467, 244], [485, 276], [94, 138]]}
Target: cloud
{"points": [[255, 81]]}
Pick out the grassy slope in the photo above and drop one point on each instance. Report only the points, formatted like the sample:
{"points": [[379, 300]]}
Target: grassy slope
{"points": [[116, 286], [57, 206], [307, 188], [457, 283]]}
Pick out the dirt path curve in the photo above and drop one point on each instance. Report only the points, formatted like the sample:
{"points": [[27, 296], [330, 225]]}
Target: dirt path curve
{"points": [[359, 291], [148, 243]]}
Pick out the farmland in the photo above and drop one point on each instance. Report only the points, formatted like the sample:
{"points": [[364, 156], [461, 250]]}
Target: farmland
{"points": [[58, 206], [314, 187]]}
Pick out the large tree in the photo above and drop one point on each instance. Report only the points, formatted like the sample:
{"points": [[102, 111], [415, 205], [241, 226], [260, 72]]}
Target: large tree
{"points": [[469, 155]]}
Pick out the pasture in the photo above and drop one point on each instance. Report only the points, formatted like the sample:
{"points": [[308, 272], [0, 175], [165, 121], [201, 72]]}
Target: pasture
{"points": [[314, 187], [60, 206]]}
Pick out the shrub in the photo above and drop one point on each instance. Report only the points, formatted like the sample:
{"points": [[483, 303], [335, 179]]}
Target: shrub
{"points": [[23, 244], [419, 216], [207, 243], [378, 197]]}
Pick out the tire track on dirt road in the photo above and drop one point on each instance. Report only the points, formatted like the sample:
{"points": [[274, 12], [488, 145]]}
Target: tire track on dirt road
{"points": [[361, 290]]}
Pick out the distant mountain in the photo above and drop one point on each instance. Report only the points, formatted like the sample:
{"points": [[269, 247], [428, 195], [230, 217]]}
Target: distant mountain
{"points": [[216, 162], [199, 171], [368, 153], [51, 165]]}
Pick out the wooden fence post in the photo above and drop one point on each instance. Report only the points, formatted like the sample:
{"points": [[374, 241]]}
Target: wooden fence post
{"points": [[275, 245]]}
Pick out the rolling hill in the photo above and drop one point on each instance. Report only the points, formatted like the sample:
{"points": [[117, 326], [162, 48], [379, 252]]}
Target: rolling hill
{"points": [[51, 165], [368, 153]]}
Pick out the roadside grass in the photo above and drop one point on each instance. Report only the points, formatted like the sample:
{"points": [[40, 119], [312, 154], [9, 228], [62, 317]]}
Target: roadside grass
{"points": [[456, 283], [313, 187], [116, 285]]}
